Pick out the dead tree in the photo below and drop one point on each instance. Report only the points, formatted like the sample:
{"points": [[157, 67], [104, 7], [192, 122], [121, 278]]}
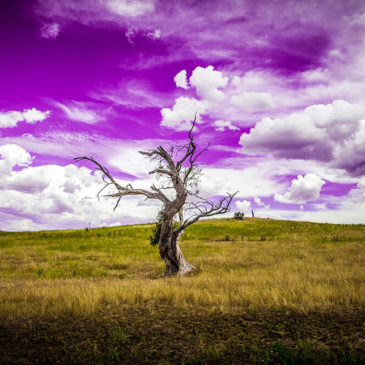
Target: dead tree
{"points": [[177, 169]]}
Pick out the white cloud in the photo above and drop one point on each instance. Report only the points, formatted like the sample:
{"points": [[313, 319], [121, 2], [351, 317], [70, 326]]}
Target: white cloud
{"points": [[292, 137], [23, 180], [181, 80], [80, 112], [351, 155], [332, 133], [316, 75], [340, 111], [207, 81], [243, 205], [33, 115], [252, 180], [50, 30], [260, 203], [183, 113], [12, 118], [28, 180], [130, 161], [302, 190], [321, 85], [130, 8], [222, 125], [52, 196], [253, 101], [13, 155], [349, 209]]}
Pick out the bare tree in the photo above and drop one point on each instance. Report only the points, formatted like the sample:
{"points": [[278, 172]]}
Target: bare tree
{"points": [[178, 173]]}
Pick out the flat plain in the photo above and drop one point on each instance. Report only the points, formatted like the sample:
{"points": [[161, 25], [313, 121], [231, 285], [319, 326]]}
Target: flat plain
{"points": [[266, 291]]}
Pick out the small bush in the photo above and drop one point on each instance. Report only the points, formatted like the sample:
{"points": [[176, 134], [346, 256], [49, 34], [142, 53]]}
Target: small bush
{"points": [[239, 215], [155, 237]]}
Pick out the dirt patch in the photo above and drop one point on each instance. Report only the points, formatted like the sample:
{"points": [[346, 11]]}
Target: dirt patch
{"points": [[170, 335]]}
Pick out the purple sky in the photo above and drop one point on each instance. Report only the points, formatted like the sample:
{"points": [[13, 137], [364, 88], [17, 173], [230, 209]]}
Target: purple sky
{"points": [[279, 88]]}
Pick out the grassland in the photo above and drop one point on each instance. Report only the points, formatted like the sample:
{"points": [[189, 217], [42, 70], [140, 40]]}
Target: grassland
{"points": [[266, 292]]}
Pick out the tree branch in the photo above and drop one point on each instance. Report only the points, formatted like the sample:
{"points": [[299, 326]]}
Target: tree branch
{"points": [[160, 171], [204, 211], [190, 147], [124, 190]]}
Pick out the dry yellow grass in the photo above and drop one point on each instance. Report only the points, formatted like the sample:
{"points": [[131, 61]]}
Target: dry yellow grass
{"points": [[301, 266]]}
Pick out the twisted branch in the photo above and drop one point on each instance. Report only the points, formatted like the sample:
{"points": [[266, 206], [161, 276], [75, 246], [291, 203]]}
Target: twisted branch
{"points": [[124, 190], [208, 210]]}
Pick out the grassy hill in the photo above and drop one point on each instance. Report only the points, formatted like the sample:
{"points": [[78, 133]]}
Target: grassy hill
{"points": [[267, 291]]}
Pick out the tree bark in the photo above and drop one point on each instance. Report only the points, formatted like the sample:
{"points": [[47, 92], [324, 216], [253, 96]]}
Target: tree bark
{"points": [[167, 244], [170, 251], [184, 267]]}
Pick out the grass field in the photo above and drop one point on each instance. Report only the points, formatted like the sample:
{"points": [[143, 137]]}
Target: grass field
{"points": [[267, 291]]}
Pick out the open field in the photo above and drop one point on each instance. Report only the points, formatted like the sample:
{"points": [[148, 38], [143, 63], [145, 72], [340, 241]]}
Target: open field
{"points": [[267, 292]]}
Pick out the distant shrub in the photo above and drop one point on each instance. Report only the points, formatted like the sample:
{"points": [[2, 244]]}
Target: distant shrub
{"points": [[155, 237], [238, 215]]}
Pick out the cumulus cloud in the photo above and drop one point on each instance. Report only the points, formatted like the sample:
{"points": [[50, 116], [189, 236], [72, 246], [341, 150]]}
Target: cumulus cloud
{"points": [[50, 30], [181, 80], [222, 97], [26, 180], [351, 155], [130, 8], [13, 155], [331, 133], [52, 196], [183, 113], [243, 205], [12, 118], [207, 82], [260, 203], [221, 125], [253, 101], [80, 112], [302, 190], [292, 137]]}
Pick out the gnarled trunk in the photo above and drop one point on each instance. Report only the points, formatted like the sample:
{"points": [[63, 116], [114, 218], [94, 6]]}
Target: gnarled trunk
{"points": [[167, 246], [170, 250], [184, 267]]}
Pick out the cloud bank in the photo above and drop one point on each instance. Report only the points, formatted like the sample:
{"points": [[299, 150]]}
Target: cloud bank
{"points": [[302, 190]]}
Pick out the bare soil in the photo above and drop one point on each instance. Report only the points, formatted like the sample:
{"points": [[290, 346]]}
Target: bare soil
{"points": [[169, 335]]}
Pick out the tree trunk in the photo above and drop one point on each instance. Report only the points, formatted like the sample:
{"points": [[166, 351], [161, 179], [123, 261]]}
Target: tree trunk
{"points": [[167, 245], [170, 251], [184, 267]]}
